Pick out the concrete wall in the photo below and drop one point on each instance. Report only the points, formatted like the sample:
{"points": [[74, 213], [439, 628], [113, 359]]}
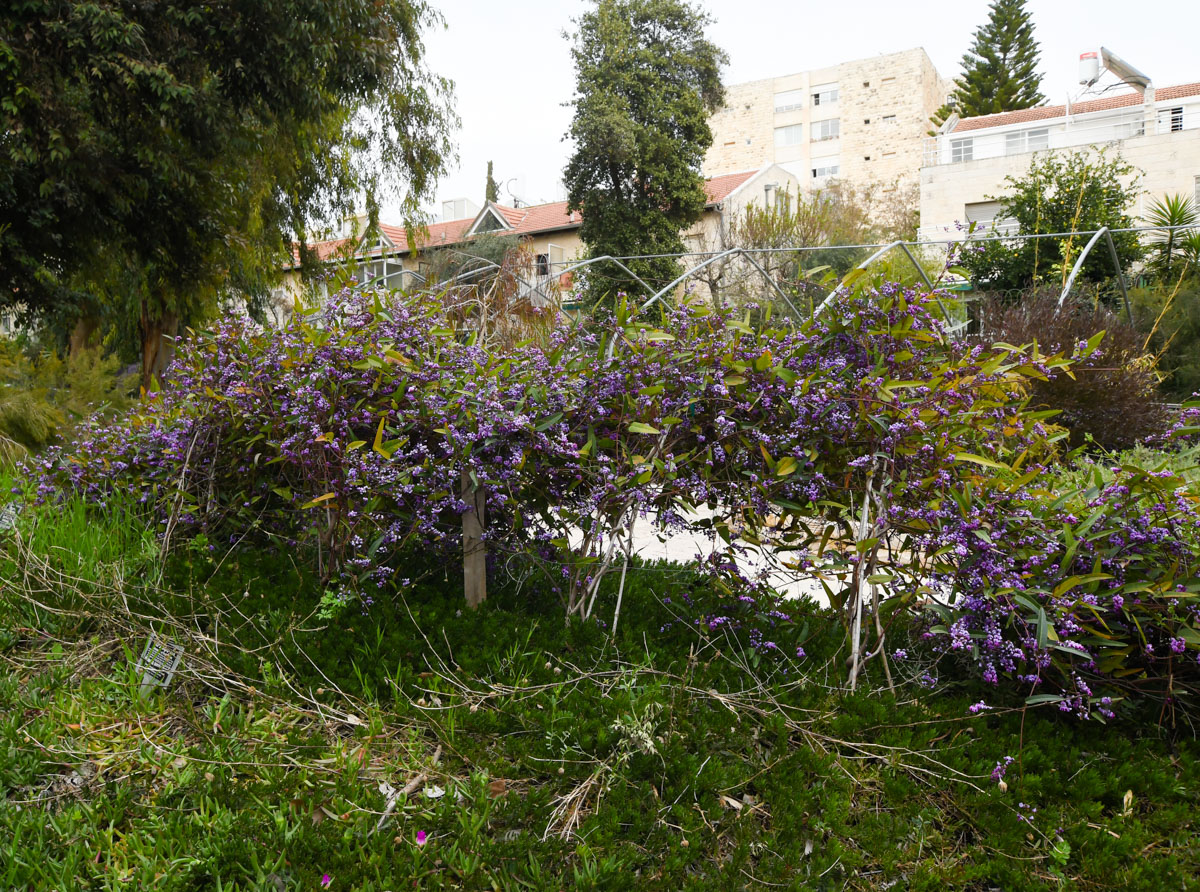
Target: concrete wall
{"points": [[1171, 162], [902, 86]]}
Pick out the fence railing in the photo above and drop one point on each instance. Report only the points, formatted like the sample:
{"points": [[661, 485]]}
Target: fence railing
{"points": [[1055, 133]]}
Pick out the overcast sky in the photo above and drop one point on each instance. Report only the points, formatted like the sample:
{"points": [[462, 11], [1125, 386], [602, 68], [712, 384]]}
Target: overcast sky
{"points": [[512, 67]]}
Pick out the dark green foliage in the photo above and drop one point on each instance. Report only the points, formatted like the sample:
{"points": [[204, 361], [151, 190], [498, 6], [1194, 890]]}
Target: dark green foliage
{"points": [[492, 189], [486, 251], [1168, 316], [1000, 69], [646, 81], [939, 117], [159, 154], [1071, 192], [1111, 398]]}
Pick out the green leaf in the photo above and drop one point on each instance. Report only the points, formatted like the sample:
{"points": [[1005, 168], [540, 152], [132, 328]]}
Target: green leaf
{"points": [[639, 427], [318, 500], [980, 460]]}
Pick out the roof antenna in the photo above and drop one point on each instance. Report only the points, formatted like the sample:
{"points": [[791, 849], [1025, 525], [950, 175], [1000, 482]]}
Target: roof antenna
{"points": [[516, 202]]}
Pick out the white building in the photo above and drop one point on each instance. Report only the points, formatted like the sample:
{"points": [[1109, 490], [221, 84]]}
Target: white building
{"points": [[1156, 131]]}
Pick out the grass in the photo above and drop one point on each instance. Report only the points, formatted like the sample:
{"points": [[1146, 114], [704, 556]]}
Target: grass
{"points": [[532, 754]]}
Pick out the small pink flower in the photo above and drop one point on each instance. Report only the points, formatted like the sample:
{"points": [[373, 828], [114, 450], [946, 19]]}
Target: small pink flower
{"points": [[326, 881], [421, 837]]}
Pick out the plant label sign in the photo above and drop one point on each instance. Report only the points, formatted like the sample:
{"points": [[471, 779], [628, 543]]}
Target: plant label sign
{"points": [[158, 662]]}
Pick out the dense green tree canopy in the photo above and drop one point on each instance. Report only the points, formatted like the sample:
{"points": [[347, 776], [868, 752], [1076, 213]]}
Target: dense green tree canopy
{"points": [[1000, 69], [646, 81], [1074, 192], [155, 154]]}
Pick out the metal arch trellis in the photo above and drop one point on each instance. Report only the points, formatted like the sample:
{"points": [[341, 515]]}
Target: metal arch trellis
{"points": [[732, 252], [882, 250], [606, 257], [1112, 252], [904, 246]]}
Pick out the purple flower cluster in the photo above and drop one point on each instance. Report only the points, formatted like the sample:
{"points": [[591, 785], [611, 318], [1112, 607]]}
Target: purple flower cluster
{"points": [[364, 427]]}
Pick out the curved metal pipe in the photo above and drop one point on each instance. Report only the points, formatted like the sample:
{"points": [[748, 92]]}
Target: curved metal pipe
{"points": [[609, 257], [1079, 264], [695, 269]]}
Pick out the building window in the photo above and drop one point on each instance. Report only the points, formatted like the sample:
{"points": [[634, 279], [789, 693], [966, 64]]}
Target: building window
{"points": [[825, 94], [1196, 189], [543, 264], [962, 149], [788, 136], [829, 170], [822, 130], [1170, 120], [1026, 141], [889, 119], [981, 211], [789, 100]]}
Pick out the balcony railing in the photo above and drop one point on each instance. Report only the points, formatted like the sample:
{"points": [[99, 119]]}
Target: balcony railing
{"points": [[977, 145]]}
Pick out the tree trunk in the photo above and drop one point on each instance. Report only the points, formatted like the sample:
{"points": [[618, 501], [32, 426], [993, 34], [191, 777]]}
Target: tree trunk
{"points": [[158, 344], [474, 549], [81, 335]]}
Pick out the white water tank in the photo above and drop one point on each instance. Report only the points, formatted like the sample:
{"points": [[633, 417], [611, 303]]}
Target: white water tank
{"points": [[1089, 68], [459, 209]]}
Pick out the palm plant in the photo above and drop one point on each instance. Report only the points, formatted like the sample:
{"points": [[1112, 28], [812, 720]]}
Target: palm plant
{"points": [[1172, 214]]}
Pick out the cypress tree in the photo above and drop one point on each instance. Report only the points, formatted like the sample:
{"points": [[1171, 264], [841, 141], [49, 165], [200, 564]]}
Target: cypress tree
{"points": [[1000, 69], [492, 192]]}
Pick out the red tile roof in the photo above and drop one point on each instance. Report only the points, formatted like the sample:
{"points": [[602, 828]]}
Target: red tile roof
{"points": [[719, 188], [438, 233], [324, 250], [1047, 112], [541, 217]]}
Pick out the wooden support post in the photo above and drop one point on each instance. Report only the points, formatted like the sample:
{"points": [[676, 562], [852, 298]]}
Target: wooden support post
{"points": [[474, 549]]}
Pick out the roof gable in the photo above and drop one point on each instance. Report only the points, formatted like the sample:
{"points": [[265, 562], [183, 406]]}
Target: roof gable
{"points": [[491, 218]]}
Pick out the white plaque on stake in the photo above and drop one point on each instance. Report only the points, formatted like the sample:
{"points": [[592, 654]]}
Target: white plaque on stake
{"points": [[158, 662], [8, 515]]}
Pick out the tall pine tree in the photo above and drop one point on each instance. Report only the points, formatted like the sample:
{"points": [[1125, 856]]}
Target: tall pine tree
{"points": [[1000, 69]]}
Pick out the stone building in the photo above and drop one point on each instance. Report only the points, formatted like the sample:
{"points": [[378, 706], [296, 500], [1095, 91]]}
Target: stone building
{"points": [[863, 122], [1156, 130]]}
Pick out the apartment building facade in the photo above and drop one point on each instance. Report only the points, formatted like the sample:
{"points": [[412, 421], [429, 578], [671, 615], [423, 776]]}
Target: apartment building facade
{"points": [[965, 166], [861, 122]]}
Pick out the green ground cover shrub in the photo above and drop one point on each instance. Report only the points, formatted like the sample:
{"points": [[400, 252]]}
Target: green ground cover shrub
{"points": [[1168, 317], [546, 755], [43, 397]]}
